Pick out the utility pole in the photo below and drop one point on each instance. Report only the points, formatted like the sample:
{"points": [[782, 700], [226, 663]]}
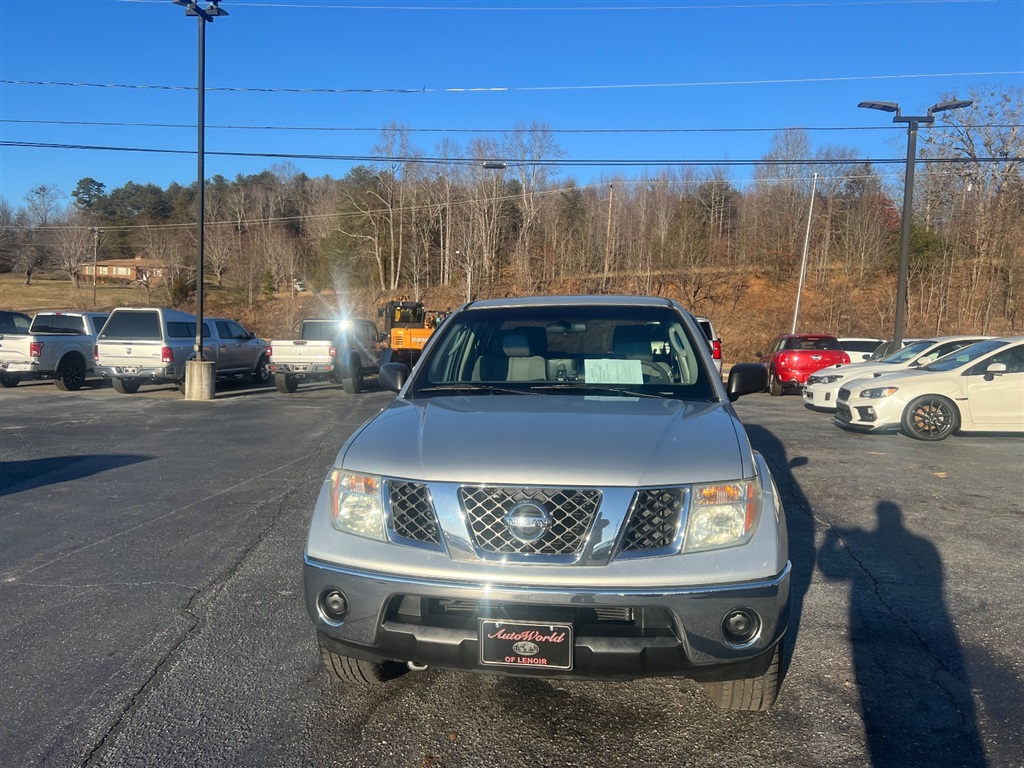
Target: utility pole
{"points": [[95, 251], [803, 261]]}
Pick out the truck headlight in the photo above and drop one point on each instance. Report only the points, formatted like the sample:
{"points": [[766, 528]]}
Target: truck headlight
{"points": [[722, 515], [356, 504], [877, 392]]}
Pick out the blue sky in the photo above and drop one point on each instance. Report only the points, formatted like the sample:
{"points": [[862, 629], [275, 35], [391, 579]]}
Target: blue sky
{"points": [[699, 65]]}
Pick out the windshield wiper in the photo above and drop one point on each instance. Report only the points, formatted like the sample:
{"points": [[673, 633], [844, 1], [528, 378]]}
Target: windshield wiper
{"points": [[584, 387], [472, 387]]}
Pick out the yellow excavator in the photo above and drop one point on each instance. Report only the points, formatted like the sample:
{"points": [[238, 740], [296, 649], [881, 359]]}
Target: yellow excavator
{"points": [[407, 326]]}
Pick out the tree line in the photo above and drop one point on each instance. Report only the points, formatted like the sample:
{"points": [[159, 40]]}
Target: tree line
{"points": [[462, 222]]}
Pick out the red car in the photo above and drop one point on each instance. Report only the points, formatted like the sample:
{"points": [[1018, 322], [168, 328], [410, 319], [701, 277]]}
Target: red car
{"points": [[793, 357]]}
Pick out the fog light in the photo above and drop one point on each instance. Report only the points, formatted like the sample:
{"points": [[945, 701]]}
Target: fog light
{"points": [[741, 626], [333, 606], [867, 413]]}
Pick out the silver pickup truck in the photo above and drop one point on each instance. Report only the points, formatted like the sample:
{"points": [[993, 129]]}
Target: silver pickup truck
{"points": [[151, 345], [344, 351], [58, 346]]}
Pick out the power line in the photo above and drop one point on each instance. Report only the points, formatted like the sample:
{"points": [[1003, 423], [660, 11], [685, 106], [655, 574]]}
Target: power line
{"points": [[342, 129], [512, 162], [514, 88], [595, 8]]}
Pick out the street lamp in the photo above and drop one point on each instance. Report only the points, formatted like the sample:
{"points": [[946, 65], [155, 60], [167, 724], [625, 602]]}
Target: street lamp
{"points": [[912, 122], [195, 369]]}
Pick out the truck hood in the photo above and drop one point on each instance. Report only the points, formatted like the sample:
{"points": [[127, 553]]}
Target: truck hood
{"points": [[552, 440]]}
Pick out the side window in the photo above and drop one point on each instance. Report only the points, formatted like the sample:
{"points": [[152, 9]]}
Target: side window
{"points": [[237, 331], [224, 329], [1013, 359], [98, 321]]}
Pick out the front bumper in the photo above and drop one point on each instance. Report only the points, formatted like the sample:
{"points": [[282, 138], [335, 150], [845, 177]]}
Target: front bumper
{"points": [[617, 634], [820, 396], [867, 415]]}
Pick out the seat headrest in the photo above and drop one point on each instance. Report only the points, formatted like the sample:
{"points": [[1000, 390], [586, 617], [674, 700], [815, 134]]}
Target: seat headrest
{"points": [[525, 342], [632, 341]]}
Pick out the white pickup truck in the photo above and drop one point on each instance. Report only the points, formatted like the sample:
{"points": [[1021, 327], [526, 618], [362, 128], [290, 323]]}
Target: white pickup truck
{"points": [[58, 346], [151, 345], [340, 350]]}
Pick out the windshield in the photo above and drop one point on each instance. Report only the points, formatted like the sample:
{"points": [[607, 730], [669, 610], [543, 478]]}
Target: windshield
{"points": [[909, 352], [605, 350], [964, 355]]}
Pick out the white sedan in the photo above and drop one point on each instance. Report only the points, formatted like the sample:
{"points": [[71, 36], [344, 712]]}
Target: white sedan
{"points": [[822, 386], [979, 388]]}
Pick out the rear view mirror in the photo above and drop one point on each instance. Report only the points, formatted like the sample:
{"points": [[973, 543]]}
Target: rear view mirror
{"points": [[565, 326]]}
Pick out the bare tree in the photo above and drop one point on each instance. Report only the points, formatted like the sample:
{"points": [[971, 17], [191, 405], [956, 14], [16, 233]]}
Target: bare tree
{"points": [[72, 245]]}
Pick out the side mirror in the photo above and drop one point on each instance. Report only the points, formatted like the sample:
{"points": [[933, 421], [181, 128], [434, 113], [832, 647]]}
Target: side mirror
{"points": [[393, 376], [993, 369], [746, 378], [759, 355]]}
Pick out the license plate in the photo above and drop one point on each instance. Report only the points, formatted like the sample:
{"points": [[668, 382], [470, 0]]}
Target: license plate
{"points": [[525, 644], [130, 369]]}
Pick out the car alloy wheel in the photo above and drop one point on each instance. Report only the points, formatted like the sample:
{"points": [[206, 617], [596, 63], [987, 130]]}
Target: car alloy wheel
{"points": [[930, 417]]}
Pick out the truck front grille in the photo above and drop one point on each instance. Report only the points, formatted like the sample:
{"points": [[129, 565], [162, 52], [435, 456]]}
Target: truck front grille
{"points": [[654, 519], [490, 511], [412, 512]]}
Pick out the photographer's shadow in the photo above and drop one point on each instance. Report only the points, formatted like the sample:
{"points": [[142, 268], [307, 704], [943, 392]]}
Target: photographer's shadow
{"points": [[913, 686]]}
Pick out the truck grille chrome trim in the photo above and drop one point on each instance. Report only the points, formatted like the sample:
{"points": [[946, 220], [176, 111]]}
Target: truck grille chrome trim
{"points": [[655, 521], [412, 512]]}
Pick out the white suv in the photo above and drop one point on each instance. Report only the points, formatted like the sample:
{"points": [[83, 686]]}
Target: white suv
{"points": [[713, 340]]}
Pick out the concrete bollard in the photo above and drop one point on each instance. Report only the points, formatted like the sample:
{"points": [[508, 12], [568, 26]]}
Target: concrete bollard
{"points": [[199, 380]]}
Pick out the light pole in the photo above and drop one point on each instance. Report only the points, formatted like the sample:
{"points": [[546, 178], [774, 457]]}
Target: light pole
{"points": [[803, 260], [203, 375], [912, 122]]}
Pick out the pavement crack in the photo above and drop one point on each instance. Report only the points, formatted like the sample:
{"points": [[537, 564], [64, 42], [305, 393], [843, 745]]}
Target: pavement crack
{"points": [[195, 618]]}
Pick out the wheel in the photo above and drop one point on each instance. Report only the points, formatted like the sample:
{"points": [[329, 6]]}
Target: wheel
{"points": [[181, 386], [70, 374], [930, 417], [751, 694], [126, 386], [7, 380], [366, 674], [774, 385], [262, 373], [352, 378], [285, 383]]}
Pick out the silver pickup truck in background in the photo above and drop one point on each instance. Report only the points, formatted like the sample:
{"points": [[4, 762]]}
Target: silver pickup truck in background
{"points": [[344, 351], [151, 345], [58, 346]]}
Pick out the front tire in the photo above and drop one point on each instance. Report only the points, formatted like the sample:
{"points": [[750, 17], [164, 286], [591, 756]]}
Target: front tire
{"points": [[70, 375], [930, 418], [285, 384], [126, 386], [751, 694], [365, 674]]}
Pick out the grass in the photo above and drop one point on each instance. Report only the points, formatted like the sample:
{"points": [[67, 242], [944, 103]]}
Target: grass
{"points": [[50, 292]]}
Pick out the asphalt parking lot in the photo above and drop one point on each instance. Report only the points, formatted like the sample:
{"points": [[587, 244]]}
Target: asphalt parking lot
{"points": [[151, 604]]}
